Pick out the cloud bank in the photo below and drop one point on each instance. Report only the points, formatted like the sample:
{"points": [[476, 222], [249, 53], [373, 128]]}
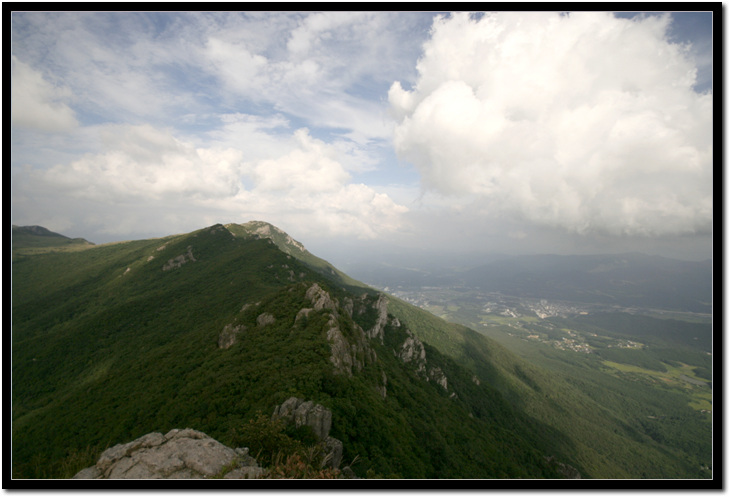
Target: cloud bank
{"points": [[185, 119], [584, 122], [181, 187]]}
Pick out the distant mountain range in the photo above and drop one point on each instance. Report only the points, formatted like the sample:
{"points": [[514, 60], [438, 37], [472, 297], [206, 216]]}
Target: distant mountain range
{"points": [[212, 328], [627, 280]]}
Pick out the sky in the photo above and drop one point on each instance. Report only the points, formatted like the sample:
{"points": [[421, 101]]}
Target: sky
{"points": [[359, 133]]}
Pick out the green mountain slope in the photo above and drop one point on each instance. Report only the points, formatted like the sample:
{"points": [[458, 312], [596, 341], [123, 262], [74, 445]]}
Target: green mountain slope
{"points": [[123, 339], [206, 329], [601, 420]]}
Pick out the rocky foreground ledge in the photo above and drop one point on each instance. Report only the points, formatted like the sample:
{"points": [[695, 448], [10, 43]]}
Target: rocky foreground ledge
{"points": [[190, 453], [177, 454]]}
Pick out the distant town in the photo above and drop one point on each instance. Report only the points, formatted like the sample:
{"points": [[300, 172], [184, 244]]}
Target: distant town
{"points": [[524, 315]]}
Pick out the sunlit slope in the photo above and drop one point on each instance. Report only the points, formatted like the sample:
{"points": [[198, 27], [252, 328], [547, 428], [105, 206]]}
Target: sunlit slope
{"points": [[607, 427]]}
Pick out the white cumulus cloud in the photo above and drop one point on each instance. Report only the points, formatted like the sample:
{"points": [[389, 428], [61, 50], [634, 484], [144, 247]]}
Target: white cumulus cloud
{"points": [[585, 122], [167, 184], [36, 103]]}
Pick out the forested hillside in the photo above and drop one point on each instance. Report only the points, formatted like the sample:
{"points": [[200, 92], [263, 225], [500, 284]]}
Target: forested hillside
{"points": [[211, 329]]}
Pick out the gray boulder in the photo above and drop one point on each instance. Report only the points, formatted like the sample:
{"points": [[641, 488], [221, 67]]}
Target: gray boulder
{"points": [[265, 319], [178, 454], [302, 413], [229, 336], [317, 417]]}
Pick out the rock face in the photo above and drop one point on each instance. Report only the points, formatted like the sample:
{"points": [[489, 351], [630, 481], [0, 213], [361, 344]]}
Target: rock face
{"points": [[348, 354], [265, 319], [413, 350], [229, 335], [178, 454], [317, 417], [320, 299], [437, 375], [378, 329], [178, 261], [301, 413]]}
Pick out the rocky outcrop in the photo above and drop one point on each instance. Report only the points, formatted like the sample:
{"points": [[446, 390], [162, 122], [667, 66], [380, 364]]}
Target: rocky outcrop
{"points": [[265, 319], [412, 350], [377, 331], [341, 355], [178, 261], [305, 413], [229, 336], [437, 375], [319, 418], [178, 454], [348, 354], [303, 313], [261, 229], [320, 298]]}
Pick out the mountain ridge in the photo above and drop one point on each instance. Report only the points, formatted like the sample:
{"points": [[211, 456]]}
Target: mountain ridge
{"points": [[37, 238], [145, 322]]}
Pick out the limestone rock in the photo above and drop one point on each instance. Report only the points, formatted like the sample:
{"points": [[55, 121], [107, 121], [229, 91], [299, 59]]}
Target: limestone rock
{"points": [[229, 335], [265, 319], [333, 450], [437, 375], [319, 418], [348, 356], [178, 261], [340, 357], [320, 299], [306, 413], [413, 350], [381, 305], [178, 454], [90, 473], [303, 313]]}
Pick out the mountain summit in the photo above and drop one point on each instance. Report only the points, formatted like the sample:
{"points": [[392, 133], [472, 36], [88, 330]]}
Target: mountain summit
{"points": [[262, 229]]}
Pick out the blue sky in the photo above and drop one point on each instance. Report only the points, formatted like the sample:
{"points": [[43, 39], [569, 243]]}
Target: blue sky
{"points": [[506, 132]]}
